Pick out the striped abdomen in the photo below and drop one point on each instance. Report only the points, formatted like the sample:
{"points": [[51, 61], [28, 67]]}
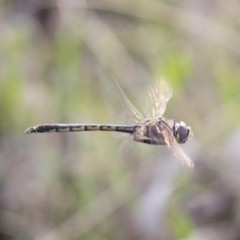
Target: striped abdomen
{"points": [[80, 127]]}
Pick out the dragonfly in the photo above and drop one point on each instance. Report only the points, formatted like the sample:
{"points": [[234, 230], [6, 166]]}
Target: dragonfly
{"points": [[153, 130]]}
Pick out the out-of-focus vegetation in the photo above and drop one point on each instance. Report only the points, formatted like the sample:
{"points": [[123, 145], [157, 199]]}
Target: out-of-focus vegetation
{"points": [[89, 185]]}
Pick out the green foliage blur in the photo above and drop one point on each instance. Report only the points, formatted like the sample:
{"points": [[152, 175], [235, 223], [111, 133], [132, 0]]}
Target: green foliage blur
{"points": [[58, 60]]}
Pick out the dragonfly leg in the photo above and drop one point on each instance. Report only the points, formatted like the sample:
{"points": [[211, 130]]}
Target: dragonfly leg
{"points": [[145, 140]]}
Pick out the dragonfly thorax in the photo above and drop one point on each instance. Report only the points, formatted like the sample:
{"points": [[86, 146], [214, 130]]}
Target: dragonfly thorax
{"points": [[182, 132], [154, 131]]}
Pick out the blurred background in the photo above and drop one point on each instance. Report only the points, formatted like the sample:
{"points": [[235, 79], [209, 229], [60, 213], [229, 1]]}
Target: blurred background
{"points": [[58, 60]]}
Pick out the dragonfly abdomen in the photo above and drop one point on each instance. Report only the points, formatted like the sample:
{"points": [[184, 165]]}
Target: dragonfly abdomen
{"points": [[80, 127]]}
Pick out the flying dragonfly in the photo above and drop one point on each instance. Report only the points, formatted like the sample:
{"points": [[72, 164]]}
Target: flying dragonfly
{"points": [[154, 130]]}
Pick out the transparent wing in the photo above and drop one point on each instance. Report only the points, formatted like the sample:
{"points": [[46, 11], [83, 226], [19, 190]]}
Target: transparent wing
{"points": [[158, 98], [119, 108], [180, 154]]}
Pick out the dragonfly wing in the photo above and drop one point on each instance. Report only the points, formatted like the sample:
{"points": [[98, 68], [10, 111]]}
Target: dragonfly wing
{"points": [[158, 98], [180, 154], [119, 107]]}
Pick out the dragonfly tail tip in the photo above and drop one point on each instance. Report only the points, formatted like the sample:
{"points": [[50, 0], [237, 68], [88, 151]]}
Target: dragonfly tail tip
{"points": [[30, 130]]}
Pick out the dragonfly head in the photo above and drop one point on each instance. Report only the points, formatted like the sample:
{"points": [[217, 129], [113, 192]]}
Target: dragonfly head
{"points": [[182, 132]]}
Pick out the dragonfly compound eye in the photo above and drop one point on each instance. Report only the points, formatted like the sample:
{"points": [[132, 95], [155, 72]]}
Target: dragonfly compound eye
{"points": [[183, 133]]}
